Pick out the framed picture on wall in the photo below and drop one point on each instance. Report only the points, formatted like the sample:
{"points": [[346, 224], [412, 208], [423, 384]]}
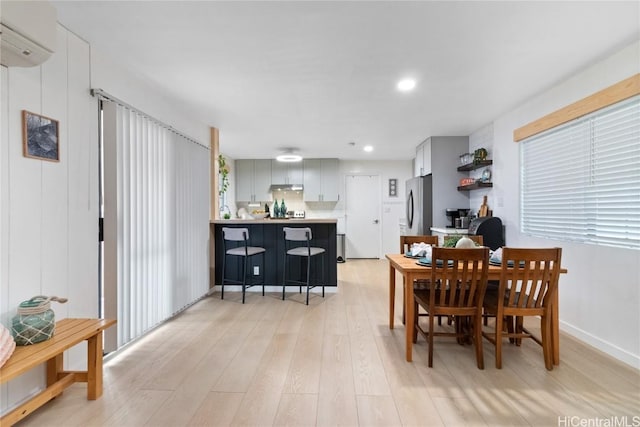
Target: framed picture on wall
{"points": [[40, 137]]}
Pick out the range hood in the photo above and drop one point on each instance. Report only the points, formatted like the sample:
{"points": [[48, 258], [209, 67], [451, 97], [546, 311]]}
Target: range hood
{"points": [[286, 187]]}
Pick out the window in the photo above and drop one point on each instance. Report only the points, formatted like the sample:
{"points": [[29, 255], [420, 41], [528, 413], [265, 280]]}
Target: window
{"points": [[581, 181]]}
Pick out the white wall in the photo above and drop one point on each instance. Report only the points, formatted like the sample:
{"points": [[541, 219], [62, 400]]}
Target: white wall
{"points": [[135, 90], [483, 138], [600, 295], [49, 211]]}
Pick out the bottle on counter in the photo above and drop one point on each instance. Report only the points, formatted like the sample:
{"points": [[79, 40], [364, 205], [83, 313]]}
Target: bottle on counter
{"points": [[283, 210], [276, 209], [266, 209]]}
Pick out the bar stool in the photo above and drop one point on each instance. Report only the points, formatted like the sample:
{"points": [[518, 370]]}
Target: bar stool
{"points": [[308, 251], [242, 249]]}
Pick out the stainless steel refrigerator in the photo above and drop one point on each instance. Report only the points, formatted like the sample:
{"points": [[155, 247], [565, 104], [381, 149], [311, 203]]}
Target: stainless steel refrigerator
{"points": [[419, 206]]}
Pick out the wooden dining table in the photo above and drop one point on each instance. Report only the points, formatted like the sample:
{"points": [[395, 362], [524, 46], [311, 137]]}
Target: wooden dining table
{"points": [[411, 271]]}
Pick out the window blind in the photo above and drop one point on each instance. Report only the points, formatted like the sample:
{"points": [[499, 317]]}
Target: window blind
{"points": [[157, 200], [581, 181]]}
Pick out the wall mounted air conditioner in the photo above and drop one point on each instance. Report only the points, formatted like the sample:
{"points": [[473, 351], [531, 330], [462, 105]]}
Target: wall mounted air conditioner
{"points": [[28, 33]]}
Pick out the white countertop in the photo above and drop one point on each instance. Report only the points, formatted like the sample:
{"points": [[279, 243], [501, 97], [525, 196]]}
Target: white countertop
{"points": [[450, 230]]}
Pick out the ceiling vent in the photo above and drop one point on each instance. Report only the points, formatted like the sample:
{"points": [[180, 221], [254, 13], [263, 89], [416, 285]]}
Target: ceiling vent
{"points": [[28, 33]]}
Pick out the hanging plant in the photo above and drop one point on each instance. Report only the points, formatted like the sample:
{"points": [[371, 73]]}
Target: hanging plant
{"points": [[224, 175]]}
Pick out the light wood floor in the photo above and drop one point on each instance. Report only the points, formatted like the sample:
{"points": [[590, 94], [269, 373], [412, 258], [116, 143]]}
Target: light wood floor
{"points": [[335, 362]]}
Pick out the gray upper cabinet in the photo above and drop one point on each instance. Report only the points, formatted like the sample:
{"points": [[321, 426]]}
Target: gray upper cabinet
{"points": [[253, 179], [286, 173], [321, 180]]}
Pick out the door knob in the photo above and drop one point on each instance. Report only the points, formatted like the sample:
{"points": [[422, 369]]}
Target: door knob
{"points": [[375, 221]]}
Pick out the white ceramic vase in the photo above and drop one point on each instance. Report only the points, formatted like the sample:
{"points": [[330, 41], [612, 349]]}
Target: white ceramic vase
{"points": [[465, 242]]}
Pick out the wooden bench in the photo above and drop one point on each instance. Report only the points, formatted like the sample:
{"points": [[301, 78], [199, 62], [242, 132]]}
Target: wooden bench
{"points": [[68, 333]]}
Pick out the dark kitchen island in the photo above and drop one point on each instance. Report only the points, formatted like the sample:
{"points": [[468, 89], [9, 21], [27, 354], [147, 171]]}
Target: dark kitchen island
{"points": [[268, 234]]}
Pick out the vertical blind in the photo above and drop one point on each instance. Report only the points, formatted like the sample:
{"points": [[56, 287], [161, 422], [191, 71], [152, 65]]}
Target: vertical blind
{"points": [[581, 181], [162, 220]]}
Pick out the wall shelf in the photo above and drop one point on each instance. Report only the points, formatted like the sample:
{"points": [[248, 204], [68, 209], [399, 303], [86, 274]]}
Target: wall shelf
{"points": [[475, 186], [475, 165]]}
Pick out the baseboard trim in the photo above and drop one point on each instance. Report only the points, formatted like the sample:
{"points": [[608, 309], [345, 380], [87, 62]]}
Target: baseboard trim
{"points": [[612, 350]]}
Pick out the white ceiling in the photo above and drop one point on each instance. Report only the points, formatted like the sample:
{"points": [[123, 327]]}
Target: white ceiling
{"points": [[318, 74]]}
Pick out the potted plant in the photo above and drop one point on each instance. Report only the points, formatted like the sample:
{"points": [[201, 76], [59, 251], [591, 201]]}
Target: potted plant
{"points": [[223, 172], [223, 185]]}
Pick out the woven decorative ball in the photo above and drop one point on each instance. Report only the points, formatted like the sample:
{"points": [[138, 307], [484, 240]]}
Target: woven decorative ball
{"points": [[7, 345]]}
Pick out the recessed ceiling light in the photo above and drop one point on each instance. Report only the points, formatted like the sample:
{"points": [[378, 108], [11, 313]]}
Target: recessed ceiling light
{"points": [[368, 148], [406, 85]]}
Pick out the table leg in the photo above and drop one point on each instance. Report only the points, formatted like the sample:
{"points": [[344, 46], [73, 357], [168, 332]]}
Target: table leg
{"points": [[392, 294], [410, 315], [94, 367]]}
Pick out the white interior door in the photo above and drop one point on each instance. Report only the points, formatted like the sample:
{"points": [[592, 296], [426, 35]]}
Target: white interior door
{"points": [[362, 216]]}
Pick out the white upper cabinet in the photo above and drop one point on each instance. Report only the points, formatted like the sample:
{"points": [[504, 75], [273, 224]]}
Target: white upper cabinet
{"points": [[286, 173], [418, 162], [312, 180], [262, 183], [244, 180], [426, 157], [321, 181], [253, 179], [422, 162], [330, 181]]}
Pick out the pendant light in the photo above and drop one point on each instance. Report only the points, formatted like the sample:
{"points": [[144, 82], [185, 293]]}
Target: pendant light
{"points": [[289, 155]]}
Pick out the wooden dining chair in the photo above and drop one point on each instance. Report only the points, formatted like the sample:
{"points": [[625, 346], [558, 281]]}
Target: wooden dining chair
{"points": [[456, 289], [408, 241], [528, 283], [480, 241]]}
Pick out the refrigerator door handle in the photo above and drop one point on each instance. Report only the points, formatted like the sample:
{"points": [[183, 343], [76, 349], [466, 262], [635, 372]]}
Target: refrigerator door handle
{"points": [[410, 209]]}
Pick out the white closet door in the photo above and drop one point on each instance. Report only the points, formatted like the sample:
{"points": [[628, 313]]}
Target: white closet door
{"points": [[363, 216]]}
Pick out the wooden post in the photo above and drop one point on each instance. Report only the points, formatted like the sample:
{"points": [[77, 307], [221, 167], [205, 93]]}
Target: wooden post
{"points": [[215, 169], [214, 146]]}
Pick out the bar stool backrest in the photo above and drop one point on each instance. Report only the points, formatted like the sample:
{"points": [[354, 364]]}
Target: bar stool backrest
{"points": [[297, 234], [235, 234]]}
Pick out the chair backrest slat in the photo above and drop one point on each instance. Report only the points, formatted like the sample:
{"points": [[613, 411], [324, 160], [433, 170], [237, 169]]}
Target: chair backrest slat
{"points": [[529, 277], [463, 272]]}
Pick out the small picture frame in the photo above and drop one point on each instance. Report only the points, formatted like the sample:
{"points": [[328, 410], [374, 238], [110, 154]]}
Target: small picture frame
{"points": [[40, 137]]}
